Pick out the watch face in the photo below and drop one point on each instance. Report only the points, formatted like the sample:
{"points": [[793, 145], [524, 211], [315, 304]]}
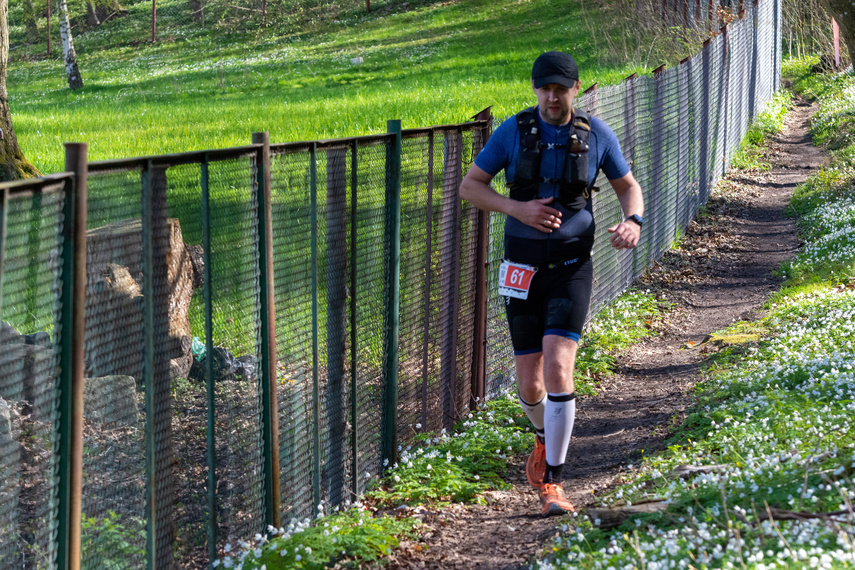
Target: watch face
{"points": [[636, 218]]}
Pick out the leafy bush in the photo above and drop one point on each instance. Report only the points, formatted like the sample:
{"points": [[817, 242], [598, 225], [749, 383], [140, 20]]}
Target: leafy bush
{"points": [[114, 542], [625, 321], [750, 153], [458, 467], [351, 539]]}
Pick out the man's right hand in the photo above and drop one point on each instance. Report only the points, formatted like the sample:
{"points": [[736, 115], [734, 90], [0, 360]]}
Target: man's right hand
{"points": [[537, 214]]}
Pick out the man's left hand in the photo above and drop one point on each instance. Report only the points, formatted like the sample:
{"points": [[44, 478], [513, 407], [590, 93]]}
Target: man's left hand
{"points": [[625, 235]]}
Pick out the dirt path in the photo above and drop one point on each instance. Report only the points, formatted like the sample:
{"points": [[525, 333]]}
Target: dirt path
{"points": [[721, 273]]}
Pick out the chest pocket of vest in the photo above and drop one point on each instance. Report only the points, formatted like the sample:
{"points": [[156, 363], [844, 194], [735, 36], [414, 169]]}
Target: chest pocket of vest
{"points": [[573, 194]]}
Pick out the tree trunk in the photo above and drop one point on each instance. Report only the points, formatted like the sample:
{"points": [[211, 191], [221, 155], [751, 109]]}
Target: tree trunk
{"points": [[68, 54], [197, 7], [843, 12], [92, 19], [13, 165], [30, 22]]}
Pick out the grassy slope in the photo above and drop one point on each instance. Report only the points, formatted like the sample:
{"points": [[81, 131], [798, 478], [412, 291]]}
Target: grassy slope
{"points": [[439, 63]]}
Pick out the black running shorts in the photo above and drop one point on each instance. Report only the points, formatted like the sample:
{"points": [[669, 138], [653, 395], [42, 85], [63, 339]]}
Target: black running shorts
{"points": [[557, 304]]}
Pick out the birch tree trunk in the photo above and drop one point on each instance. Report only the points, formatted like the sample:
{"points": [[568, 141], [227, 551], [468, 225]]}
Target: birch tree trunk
{"points": [[68, 54], [13, 165]]}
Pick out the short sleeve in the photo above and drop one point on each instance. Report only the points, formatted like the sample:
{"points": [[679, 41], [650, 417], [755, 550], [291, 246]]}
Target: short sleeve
{"points": [[496, 154], [612, 162]]}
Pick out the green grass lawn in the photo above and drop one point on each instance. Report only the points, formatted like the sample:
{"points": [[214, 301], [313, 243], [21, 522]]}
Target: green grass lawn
{"points": [[436, 63]]}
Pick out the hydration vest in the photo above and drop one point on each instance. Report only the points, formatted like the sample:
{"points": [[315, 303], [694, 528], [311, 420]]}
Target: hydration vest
{"points": [[575, 190]]}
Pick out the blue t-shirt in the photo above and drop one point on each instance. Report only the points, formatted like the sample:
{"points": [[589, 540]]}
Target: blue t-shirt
{"points": [[604, 154]]}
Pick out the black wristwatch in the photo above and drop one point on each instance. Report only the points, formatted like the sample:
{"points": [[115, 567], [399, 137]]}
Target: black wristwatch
{"points": [[635, 218]]}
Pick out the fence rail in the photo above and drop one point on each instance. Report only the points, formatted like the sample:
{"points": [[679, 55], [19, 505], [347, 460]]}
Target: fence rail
{"points": [[201, 344]]}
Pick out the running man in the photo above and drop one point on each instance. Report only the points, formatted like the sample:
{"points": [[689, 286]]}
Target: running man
{"points": [[551, 154]]}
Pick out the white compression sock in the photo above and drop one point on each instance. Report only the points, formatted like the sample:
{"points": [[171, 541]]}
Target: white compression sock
{"points": [[534, 412], [560, 413]]}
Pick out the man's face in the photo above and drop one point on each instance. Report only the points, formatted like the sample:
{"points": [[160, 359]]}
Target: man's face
{"points": [[555, 102]]}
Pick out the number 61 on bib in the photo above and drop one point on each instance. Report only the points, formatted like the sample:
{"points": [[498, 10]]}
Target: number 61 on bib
{"points": [[515, 279]]}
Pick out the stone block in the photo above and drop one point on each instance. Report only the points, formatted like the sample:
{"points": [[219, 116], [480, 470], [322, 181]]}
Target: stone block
{"points": [[27, 375], [9, 335], [114, 302], [111, 400]]}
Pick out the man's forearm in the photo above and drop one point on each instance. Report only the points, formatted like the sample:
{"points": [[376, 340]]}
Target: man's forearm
{"points": [[483, 196], [631, 202]]}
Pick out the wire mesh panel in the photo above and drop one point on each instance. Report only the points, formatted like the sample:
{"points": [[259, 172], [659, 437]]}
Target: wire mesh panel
{"points": [[293, 213], [367, 324], [466, 309], [330, 269], [114, 458], [419, 400], [148, 413], [31, 227], [233, 210], [437, 280]]}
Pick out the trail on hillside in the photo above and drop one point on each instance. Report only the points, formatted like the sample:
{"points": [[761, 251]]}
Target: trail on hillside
{"points": [[722, 272]]}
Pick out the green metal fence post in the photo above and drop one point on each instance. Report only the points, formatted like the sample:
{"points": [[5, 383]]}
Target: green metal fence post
{"points": [[316, 397], [148, 365], [393, 292], [267, 324], [209, 364], [354, 392], [479, 333], [70, 385]]}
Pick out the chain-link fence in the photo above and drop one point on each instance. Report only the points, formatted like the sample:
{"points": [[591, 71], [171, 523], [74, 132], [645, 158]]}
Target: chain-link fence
{"points": [[678, 128], [265, 325], [39, 461]]}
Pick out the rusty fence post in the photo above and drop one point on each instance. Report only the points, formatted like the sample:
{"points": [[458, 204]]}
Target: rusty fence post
{"points": [[428, 275], [591, 92], [725, 66], [479, 333], [267, 324], [70, 420], [450, 275]]}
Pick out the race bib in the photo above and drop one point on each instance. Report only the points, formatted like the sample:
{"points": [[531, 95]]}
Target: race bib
{"points": [[515, 279]]}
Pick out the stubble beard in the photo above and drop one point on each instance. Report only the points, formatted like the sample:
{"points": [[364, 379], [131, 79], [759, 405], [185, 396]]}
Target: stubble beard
{"points": [[560, 116]]}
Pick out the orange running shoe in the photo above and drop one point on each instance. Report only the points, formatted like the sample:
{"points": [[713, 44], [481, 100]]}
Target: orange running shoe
{"points": [[535, 466], [554, 500]]}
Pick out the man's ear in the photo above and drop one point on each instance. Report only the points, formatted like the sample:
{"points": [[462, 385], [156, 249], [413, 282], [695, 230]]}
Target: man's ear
{"points": [[532, 85]]}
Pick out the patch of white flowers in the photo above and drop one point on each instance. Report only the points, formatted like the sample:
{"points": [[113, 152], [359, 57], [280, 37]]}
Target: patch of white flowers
{"points": [[253, 549]]}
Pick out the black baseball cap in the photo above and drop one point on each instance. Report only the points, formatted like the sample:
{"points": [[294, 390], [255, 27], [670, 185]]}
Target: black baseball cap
{"points": [[554, 67]]}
